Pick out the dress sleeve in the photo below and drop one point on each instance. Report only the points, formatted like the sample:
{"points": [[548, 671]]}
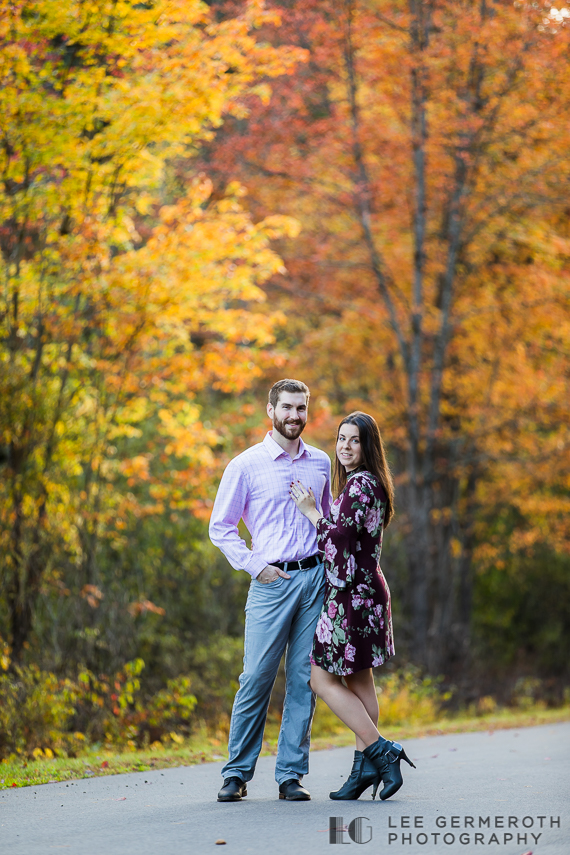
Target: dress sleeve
{"points": [[338, 540], [326, 500]]}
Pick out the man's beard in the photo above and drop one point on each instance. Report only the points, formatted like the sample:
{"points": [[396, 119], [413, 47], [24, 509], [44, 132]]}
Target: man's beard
{"points": [[288, 430]]}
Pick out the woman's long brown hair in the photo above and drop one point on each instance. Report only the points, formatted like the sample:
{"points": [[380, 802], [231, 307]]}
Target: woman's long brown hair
{"points": [[373, 458]]}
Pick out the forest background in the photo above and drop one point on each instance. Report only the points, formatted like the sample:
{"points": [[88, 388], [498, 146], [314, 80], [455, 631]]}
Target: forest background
{"points": [[199, 199]]}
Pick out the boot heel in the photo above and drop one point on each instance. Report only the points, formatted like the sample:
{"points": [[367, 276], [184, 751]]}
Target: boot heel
{"points": [[375, 787], [386, 756]]}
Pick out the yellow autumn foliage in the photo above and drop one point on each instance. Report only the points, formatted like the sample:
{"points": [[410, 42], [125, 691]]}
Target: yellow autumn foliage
{"points": [[124, 294]]}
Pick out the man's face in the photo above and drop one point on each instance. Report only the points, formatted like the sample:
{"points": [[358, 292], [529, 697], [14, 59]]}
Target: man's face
{"points": [[289, 416]]}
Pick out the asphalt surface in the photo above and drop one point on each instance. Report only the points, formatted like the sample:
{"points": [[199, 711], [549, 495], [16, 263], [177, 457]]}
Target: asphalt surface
{"points": [[510, 787]]}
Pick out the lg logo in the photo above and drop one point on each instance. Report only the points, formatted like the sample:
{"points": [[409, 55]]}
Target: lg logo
{"points": [[356, 830]]}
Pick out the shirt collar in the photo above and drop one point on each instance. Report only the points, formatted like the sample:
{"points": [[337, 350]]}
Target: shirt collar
{"points": [[276, 451]]}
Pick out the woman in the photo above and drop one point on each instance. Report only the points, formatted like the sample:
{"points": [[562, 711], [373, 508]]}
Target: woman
{"points": [[354, 631]]}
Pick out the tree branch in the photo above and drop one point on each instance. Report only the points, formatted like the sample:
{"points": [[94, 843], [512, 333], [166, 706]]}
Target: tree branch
{"points": [[363, 194]]}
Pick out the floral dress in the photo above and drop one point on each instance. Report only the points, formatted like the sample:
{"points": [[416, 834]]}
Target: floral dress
{"points": [[354, 630]]}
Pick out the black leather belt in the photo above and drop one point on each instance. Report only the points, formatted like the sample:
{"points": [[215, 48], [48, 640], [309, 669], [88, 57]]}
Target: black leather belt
{"points": [[303, 564]]}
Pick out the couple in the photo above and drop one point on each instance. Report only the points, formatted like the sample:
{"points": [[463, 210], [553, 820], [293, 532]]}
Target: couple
{"points": [[317, 593]]}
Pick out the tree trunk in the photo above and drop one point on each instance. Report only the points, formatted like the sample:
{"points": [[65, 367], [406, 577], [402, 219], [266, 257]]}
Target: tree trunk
{"points": [[439, 549]]}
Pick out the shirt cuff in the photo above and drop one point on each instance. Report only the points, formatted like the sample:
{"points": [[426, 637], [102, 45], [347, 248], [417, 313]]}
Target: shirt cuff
{"points": [[255, 565]]}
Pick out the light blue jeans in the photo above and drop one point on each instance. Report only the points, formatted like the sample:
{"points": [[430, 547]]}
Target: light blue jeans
{"points": [[280, 616]]}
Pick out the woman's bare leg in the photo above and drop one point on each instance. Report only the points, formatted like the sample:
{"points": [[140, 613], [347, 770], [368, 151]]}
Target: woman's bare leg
{"points": [[362, 685], [346, 704]]}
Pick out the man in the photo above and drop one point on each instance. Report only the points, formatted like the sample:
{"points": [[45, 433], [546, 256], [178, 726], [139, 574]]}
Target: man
{"points": [[286, 592]]}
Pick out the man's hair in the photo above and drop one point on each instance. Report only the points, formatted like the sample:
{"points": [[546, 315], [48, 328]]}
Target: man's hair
{"points": [[287, 386]]}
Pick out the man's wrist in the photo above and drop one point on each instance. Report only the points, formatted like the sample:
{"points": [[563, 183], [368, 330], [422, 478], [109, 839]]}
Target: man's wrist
{"points": [[255, 566]]}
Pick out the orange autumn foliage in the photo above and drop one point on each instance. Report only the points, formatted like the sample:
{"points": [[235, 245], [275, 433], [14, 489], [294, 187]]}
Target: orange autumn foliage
{"points": [[423, 147]]}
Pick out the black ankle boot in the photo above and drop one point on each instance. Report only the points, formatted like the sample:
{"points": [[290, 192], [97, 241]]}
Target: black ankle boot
{"points": [[386, 756], [362, 776]]}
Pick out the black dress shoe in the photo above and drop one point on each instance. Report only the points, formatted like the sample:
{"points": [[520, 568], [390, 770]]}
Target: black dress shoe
{"points": [[234, 790], [293, 791]]}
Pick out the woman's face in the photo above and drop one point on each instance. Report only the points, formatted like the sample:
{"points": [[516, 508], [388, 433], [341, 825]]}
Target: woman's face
{"points": [[348, 448]]}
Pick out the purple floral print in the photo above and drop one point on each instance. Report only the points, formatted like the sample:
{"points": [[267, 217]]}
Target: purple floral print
{"points": [[324, 629], [354, 630]]}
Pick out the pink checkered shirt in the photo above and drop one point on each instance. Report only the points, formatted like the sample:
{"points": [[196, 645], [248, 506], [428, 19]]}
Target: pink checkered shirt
{"points": [[255, 488]]}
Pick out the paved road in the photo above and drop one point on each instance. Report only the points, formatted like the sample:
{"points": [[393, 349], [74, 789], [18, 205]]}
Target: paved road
{"points": [[465, 785]]}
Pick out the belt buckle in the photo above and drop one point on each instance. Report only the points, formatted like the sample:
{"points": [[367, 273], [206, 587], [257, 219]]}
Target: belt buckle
{"points": [[301, 564]]}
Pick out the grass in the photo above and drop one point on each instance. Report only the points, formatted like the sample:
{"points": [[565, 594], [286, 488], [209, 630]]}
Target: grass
{"points": [[328, 732], [500, 720]]}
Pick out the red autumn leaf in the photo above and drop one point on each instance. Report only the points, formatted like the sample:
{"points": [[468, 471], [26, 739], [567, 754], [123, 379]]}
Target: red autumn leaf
{"points": [[414, 261]]}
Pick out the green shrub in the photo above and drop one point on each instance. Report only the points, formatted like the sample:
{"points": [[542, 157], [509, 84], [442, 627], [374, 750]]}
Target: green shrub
{"points": [[215, 671], [404, 697], [42, 715], [36, 711], [528, 693]]}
